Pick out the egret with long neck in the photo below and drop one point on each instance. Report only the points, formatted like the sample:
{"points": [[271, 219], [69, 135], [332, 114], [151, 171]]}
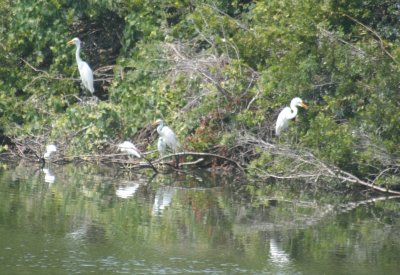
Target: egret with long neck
{"points": [[83, 67], [168, 136], [287, 114]]}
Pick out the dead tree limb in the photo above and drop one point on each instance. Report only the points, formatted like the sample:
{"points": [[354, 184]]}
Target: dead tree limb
{"points": [[305, 165], [375, 34]]}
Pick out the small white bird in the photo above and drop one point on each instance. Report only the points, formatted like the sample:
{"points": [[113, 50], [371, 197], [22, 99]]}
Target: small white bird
{"points": [[167, 135], [161, 146], [83, 67], [51, 148], [287, 114], [129, 148]]}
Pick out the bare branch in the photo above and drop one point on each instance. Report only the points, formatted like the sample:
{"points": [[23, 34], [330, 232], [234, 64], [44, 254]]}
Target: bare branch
{"points": [[305, 165], [377, 36]]}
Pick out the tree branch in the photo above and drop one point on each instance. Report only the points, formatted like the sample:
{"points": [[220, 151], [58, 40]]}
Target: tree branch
{"points": [[377, 36], [307, 166]]}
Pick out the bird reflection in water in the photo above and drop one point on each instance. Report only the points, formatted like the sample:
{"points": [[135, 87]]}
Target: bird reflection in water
{"points": [[127, 191], [163, 199], [277, 256], [48, 176]]}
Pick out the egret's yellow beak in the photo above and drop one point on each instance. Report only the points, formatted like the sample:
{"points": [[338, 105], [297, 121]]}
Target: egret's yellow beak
{"points": [[70, 42], [304, 105], [156, 122]]}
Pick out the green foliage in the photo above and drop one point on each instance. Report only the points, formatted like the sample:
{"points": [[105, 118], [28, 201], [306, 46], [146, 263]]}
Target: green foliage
{"points": [[88, 128], [333, 141], [211, 69]]}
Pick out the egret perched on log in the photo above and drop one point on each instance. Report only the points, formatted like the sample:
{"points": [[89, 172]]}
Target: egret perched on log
{"points": [[287, 114], [167, 135], [129, 148], [83, 67], [50, 149]]}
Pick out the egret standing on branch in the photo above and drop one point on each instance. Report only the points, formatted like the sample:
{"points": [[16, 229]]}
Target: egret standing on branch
{"points": [[167, 135], [50, 149], [131, 149], [84, 69], [287, 114]]}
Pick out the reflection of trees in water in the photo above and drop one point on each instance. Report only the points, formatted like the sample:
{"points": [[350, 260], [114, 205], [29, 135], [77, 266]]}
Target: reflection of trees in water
{"points": [[295, 229], [88, 231], [196, 211], [294, 214]]}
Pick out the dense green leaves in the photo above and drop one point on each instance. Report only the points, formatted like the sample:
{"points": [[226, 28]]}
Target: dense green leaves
{"points": [[211, 69]]}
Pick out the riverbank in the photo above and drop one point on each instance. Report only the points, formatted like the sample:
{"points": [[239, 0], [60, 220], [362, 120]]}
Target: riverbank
{"points": [[218, 74]]}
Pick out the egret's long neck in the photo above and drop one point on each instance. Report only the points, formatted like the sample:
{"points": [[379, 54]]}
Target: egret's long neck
{"points": [[77, 53], [159, 128], [293, 114]]}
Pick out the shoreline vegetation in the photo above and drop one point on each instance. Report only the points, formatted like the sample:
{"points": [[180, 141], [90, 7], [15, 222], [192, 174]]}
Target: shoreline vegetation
{"points": [[218, 73]]}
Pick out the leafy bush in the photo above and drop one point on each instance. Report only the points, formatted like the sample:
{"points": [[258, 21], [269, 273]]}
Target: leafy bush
{"points": [[213, 69]]}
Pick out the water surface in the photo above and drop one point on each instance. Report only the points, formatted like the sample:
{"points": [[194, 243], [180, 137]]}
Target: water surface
{"points": [[105, 220]]}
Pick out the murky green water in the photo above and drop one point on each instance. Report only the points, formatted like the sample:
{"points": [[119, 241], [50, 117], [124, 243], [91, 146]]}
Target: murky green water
{"points": [[80, 220]]}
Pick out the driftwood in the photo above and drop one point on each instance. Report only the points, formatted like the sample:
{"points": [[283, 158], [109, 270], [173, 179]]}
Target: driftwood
{"points": [[193, 163], [26, 152], [203, 155], [303, 164]]}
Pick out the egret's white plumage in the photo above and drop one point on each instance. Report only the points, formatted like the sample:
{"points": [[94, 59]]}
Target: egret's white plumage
{"points": [[168, 138], [287, 114], [129, 148], [161, 146], [83, 67], [51, 148]]}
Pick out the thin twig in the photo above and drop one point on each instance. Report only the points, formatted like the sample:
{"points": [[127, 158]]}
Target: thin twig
{"points": [[377, 36]]}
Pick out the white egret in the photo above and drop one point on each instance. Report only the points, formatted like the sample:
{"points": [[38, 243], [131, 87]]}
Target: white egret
{"points": [[167, 135], [161, 146], [287, 114], [51, 148], [129, 148], [84, 69]]}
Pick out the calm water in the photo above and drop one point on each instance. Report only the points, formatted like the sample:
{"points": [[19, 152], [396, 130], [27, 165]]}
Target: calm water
{"points": [[86, 219]]}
